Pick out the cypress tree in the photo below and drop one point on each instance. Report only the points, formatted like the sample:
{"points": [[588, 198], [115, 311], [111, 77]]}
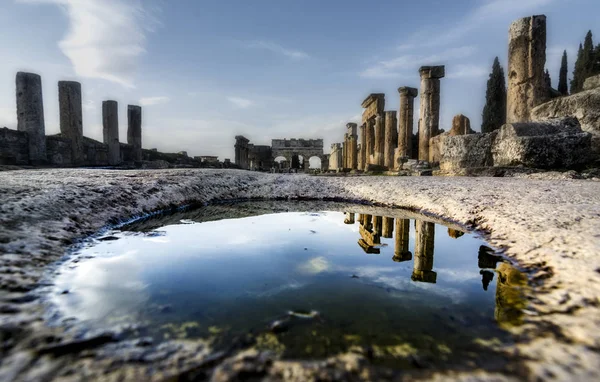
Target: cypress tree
{"points": [[563, 88], [577, 72], [494, 111]]}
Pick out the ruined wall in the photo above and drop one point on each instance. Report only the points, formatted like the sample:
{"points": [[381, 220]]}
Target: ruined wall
{"points": [[260, 157], [58, 149], [95, 153], [14, 147], [288, 147]]}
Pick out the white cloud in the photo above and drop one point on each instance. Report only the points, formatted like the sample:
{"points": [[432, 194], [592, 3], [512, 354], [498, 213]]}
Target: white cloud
{"points": [[105, 37], [90, 106], [242, 103], [151, 101], [406, 64], [276, 48], [490, 11]]}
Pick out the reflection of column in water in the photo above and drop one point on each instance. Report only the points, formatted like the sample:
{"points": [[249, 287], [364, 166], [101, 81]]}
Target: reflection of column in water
{"points": [[377, 224], [423, 265], [388, 228], [367, 222], [349, 218], [454, 233], [401, 252], [511, 286]]}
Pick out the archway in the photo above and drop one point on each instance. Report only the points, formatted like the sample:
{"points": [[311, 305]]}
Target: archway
{"points": [[281, 162], [314, 162]]}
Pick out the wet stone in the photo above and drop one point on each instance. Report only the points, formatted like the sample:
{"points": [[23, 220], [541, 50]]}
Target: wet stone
{"points": [[412, 296]]}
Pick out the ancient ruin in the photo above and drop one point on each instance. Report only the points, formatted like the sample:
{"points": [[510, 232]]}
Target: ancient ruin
{"points": [[110, 131], [405, 127], [372, 118], [263, 158], [526, 61], [30, 116], [429, 119]]}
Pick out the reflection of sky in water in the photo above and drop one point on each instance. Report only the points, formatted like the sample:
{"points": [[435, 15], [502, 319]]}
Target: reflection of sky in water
{"points": [[214, 269]]}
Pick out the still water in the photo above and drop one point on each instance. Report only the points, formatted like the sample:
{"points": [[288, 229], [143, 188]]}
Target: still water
{"points": [[304, 284]]}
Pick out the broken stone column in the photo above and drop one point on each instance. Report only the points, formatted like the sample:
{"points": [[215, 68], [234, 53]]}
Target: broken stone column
{"points": [[336, 157], [387, 230], [526, 62], [424, 240], [461, 125], [71, 118], [379, 141], [430, 107], [110, 131], [134, 130], [401, 252], [345, 152], [405, 125], [30, 114], [362, 159], [390, 139]]}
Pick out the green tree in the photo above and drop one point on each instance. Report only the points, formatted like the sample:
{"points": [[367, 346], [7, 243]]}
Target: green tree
{"points": [[586, 64], [577, 72], [563, 88], [494, 111]]}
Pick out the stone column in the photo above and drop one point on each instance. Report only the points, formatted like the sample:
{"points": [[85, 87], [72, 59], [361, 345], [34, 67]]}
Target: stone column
{"points": [[526, 62], [430, 107], [30, 114], [379, 140], [423, 265], [110, 131], [405, 128], [461, 125], [362, 161], [401, 252], [345, 152], [390, 140], [134, 130], [388, 227], [352, 146], [370, 143], [71, 118]]}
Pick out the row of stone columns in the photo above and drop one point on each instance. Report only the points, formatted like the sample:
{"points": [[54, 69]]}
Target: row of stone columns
{"points": [[372, 228], [30, 118]]}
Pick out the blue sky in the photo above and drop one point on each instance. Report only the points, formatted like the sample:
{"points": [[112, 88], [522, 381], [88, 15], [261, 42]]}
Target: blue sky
{"points": [[206, 70]]}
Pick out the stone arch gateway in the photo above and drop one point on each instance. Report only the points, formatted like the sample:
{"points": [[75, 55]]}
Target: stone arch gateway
{"points": [[303, 147]]}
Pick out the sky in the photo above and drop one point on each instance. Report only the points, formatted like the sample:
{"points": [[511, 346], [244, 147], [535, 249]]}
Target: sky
{"points": [[207, 70]]}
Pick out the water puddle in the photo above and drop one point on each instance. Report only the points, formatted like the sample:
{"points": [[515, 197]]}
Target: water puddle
{"points": [[306, 284]]}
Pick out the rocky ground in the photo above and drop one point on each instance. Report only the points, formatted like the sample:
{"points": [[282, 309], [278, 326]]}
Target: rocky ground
{"points": [[548, 226]]}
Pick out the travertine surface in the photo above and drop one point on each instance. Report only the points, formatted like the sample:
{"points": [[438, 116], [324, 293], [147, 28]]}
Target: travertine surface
{"points": [[549, 226]]}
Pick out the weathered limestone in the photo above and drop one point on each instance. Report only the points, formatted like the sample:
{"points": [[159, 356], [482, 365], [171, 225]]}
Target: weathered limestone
{"points": [[379, 141], [401, 252], [345, 151], [370, 143], [390, 139], [71, 118], [110, 131], [464, 151], [374, 105], [336, 157], [552, 144], [429, 119], [405, 125], [585, 106], [461, 125], [526, 61], [242, 152], [424, 247], [30, 114], [134, 130], [352, 146], [592, 82], [377, 225]]}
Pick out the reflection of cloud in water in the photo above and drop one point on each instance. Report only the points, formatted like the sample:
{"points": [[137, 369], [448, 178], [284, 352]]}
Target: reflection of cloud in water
{"points": [[315, 265], [278, 289], [457, 275], [158, 239], [102, 287]]}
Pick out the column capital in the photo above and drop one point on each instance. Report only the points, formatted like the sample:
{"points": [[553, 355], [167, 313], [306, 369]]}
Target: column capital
{"points": [[408, 91], [429, 72]]}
